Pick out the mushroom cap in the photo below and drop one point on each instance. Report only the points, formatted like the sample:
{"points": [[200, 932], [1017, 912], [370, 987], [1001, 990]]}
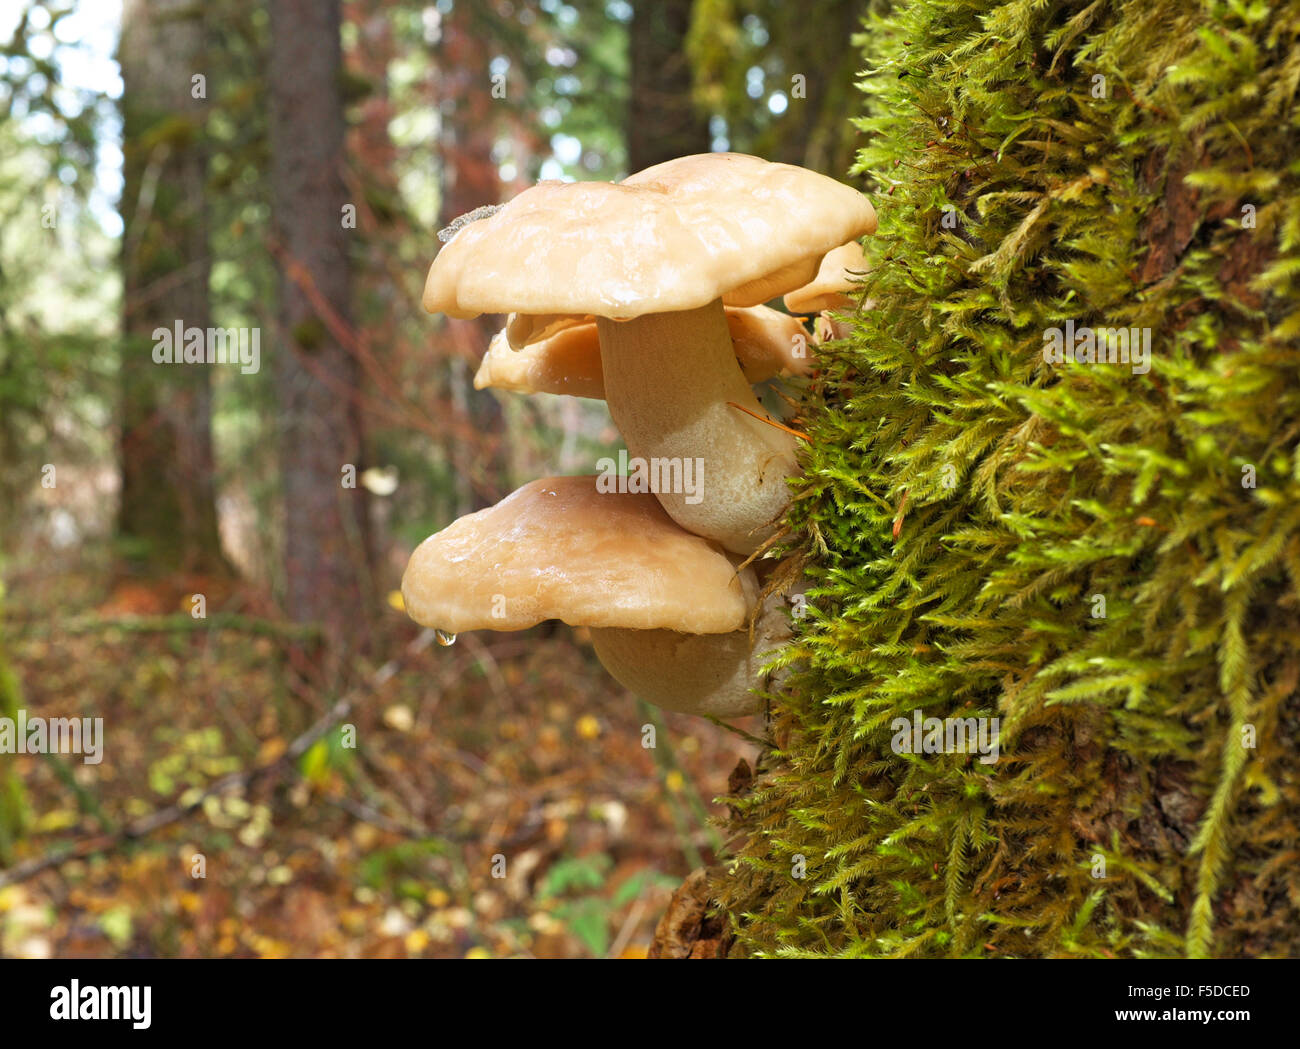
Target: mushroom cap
{"points": [[837, 276], [567, 361], [525, 328], [767, 342], [673, 237], [559, 549]]}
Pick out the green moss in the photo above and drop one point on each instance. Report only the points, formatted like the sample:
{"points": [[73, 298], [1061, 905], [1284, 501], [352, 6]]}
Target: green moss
{"points": [[964, 502], [15, 816]]}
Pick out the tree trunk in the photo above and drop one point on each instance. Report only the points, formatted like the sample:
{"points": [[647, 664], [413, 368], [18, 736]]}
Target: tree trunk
{"points": [[662, 122], [167, 516], [327, 555], [469, 181], [815, 133]]}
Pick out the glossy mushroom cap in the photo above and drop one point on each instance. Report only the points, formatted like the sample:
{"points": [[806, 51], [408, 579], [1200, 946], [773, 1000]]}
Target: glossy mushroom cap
{"points": [[673, 237], [831, 289], [767, 342], [567, 362], [559, 549], [669, 611]]}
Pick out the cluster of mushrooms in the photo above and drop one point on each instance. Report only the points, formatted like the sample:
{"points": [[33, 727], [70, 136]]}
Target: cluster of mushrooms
{"points": [[648, 293]]}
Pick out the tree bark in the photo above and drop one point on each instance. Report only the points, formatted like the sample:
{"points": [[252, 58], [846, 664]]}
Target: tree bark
{"points": [[327, 548], [167, 518], [469, 181], [814, 132], [662, 122]]}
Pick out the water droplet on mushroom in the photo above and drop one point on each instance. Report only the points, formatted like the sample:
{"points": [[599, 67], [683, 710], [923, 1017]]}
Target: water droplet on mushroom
{"points": [[444, 638]]}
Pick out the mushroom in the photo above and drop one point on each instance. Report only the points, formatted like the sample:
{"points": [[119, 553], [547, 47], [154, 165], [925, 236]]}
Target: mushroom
{"points": [[654, 259], [525, 328], [669, 611], [837, 275], [567, 362], [765, 341]]}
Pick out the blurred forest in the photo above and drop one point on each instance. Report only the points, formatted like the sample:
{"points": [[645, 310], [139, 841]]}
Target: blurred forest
{"points": [[207, 556]]}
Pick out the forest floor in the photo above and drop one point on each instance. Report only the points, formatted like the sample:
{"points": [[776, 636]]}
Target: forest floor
{"points": [[503, 745]]}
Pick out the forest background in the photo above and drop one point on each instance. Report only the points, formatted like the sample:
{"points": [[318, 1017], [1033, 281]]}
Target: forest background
{"points": [[207, 557]]}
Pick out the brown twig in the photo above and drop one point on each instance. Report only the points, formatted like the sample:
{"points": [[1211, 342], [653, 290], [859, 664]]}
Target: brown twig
{"points": [[792, 433]]}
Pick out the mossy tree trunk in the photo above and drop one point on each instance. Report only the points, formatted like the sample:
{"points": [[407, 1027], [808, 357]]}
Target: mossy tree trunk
{"points": [[1104, 557]]}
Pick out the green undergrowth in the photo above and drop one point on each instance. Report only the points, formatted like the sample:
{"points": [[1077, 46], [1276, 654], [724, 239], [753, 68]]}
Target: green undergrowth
{"points": [[1106, 560]]}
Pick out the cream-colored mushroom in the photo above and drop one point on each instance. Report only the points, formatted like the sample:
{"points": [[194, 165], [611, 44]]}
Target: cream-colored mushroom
{"points": [[839, 273], [669, 610], [828, 292], [766, 342], [567, 362], [522, 329], [654, 259], [694, 673]]}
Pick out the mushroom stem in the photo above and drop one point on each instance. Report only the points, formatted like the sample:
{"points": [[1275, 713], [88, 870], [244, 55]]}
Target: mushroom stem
{"points": [[668, 378], [694, 673]]}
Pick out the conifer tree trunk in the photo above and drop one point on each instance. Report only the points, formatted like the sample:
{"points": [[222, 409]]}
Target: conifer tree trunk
{"points": [[469, 181], [662, 122], [167, 514], [327, 555], [815, 137]]}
